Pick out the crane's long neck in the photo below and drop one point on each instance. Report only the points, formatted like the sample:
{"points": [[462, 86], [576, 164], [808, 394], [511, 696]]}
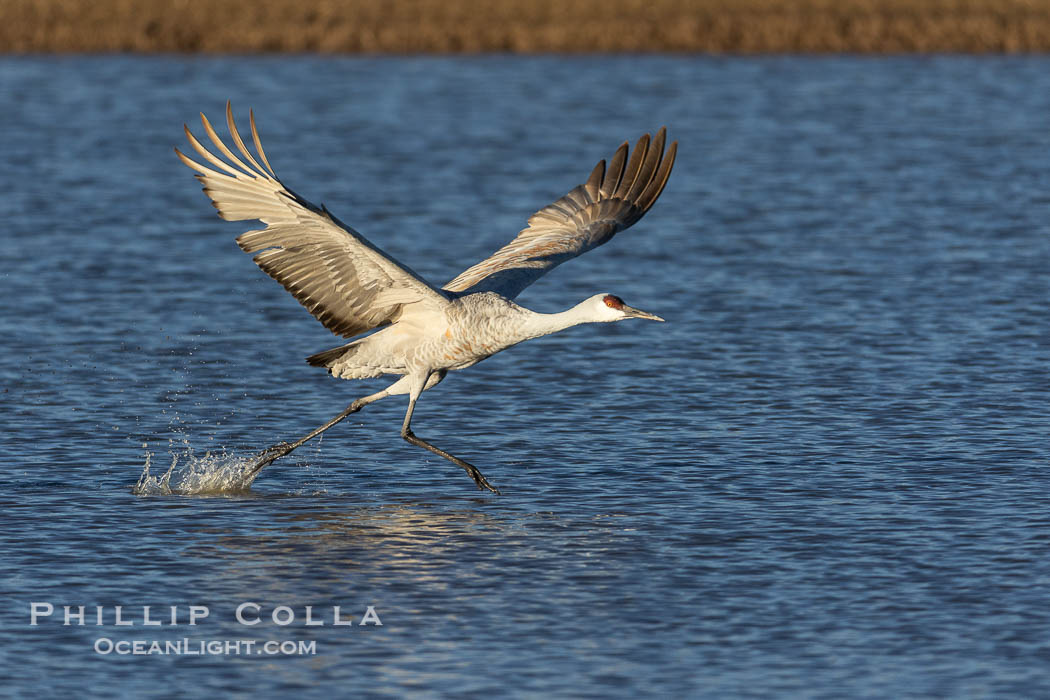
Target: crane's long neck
{"points": [[537, 324]]}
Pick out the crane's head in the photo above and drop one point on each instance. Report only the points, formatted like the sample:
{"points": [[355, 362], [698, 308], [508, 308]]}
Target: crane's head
{"points": [[609, 307]]}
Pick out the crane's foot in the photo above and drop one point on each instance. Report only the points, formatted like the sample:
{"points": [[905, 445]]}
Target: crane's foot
{"points": [[475, 474], [479, 478], [270, 455]]}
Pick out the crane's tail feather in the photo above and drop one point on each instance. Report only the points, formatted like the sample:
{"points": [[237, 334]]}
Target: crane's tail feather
{"points": [[327, 358]]}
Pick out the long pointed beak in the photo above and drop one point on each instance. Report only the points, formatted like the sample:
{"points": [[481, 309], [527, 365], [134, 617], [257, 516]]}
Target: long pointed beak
{"points": [[638, 313]]}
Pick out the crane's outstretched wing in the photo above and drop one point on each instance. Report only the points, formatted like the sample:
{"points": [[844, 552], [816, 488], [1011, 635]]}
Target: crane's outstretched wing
{"points": [[347, 283], [611, 200]]}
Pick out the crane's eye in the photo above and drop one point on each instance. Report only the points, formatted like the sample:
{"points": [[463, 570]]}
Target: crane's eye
{"points": [[613, 302]]}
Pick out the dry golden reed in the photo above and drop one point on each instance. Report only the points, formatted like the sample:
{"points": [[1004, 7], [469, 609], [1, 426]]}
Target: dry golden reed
{"points": [[569, 26]]}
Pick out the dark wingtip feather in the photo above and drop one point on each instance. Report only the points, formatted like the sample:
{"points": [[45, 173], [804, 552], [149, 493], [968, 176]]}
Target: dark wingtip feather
{"points": [[649, 166], [630, 172], [650, 194], [593, 184], [615, 171]]}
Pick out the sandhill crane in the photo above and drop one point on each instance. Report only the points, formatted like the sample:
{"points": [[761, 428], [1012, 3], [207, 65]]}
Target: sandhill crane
{"points": [[352, 287]]}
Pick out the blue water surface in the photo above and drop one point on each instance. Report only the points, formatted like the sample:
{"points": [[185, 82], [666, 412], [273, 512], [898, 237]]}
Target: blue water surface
{"points": [[825, 476]]}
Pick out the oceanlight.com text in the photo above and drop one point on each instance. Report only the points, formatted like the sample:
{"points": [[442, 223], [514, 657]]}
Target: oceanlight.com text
{"points": [[205, 647]]}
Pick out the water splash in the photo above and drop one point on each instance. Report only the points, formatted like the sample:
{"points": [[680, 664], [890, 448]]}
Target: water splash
{"points": [[210, 474]]}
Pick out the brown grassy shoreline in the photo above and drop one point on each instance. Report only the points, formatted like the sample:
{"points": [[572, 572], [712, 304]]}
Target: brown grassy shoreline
{"points": [[521, 26]]}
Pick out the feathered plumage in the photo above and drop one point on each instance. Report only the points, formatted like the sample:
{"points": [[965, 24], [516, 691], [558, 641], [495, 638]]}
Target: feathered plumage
{"points": [[353, 287]]}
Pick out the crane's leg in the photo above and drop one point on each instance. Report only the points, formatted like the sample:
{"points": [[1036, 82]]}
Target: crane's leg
{"points": [[407, 434], [279, 450]]}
